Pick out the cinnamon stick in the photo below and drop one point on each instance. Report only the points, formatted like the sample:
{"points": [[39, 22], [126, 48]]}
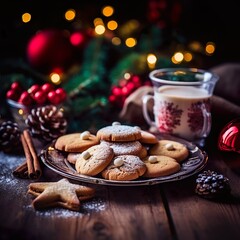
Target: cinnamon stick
{"points": [[28, 156], [31, 167], [21, 171], [35, 160]]}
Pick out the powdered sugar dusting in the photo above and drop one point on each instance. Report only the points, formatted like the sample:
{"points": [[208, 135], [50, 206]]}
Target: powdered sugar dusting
{"points": [[119, 133], [17, 188], [124, 148], [87, 207], [120, 129], [9, 163]]}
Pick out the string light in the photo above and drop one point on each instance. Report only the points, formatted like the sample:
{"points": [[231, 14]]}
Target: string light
{"points": [[188, 56], [195, 46], [116, 41], [130, 42], [70, 14], [76, 38], [151, 60], [112, 25], [127, 75], [108, 11], [210, 48], [177, 57], [97, 21], [55, 78], [26, 17], [100, 29]]}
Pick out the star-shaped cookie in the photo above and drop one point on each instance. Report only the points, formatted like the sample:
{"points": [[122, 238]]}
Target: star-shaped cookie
{"points": [[59, 194]]}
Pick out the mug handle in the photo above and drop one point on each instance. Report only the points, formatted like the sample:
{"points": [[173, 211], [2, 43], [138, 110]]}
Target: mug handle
{"points": [[206, 121], [145, 101]]}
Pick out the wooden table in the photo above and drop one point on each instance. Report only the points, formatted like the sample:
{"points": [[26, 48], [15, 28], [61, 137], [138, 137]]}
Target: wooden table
{"points": [[164, 211]]}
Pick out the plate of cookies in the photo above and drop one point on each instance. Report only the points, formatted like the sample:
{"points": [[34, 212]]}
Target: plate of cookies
{"points": [[123, 155]]}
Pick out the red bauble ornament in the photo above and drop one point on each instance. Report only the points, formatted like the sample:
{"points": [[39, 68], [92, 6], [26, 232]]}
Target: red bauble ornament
{"points": [[16, 86], [11, 94], [47, 87], [49, 49], [33, 89], [61, 93], [40, 97], [25, 99], [53, 97], [229, 137]]}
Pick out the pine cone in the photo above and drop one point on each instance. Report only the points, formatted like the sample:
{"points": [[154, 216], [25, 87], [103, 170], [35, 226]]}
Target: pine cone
{"points": [[212, 185], [9, 136], [47, 123]]}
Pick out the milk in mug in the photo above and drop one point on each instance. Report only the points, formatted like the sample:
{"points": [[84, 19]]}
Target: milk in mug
{"points": [[183, 111]]}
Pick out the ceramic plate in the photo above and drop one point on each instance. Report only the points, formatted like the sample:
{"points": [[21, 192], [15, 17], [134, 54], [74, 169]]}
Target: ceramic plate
{"points": [[56, 161]]}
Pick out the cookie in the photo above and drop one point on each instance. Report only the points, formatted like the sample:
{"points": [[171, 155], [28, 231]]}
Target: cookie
{"points": [[124, 168], [119, 133], [148, 138], [76, 142], [171, 149], [59, 194], [72, 157], [159, 166], [94, 160], [124, 148], [143, 152]]}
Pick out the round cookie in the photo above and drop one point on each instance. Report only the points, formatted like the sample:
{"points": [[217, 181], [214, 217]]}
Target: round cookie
{"points": [[119, 133], [72, 157], [148, 138], [94, 160], [124, 168], [124, 148], [143, 152], [169, 148], [159, 166], [73, 142]]}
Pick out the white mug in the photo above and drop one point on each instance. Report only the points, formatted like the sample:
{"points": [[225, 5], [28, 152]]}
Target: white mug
{"points": [[182, 102]]}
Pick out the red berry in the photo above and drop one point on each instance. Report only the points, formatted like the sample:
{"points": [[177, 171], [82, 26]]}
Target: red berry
{"points": [[11, 94], [61, 93], [33, 89], [40, 97], [53, 97], [25, 99], [16, 86], [47, 87]]}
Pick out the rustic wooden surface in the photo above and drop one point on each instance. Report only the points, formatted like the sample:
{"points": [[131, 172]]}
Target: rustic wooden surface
{"points": [[164, 211]]}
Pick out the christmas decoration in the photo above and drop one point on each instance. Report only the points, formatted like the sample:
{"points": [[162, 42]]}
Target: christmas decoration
{"points": [[212, 185], [98, 71], [49, 49], [229, 137], [36, 94], [124, 88], [9, 136], [46, 123]]}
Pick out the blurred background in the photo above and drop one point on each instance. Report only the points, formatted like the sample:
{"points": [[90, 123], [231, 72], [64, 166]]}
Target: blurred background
{"points": [[185, 20], [100, 51]]}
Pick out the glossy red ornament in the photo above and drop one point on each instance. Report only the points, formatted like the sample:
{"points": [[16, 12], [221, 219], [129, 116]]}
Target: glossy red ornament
{"points": [[50, 48], [40, 97], [229, 137], [47, 87], [53, 97], [16, 86], [33, 89], [61, 93], [11, 94], [25, 98]]}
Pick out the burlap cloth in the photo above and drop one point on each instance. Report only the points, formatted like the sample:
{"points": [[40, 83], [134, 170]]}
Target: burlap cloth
{"points": [[225, 100]]}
